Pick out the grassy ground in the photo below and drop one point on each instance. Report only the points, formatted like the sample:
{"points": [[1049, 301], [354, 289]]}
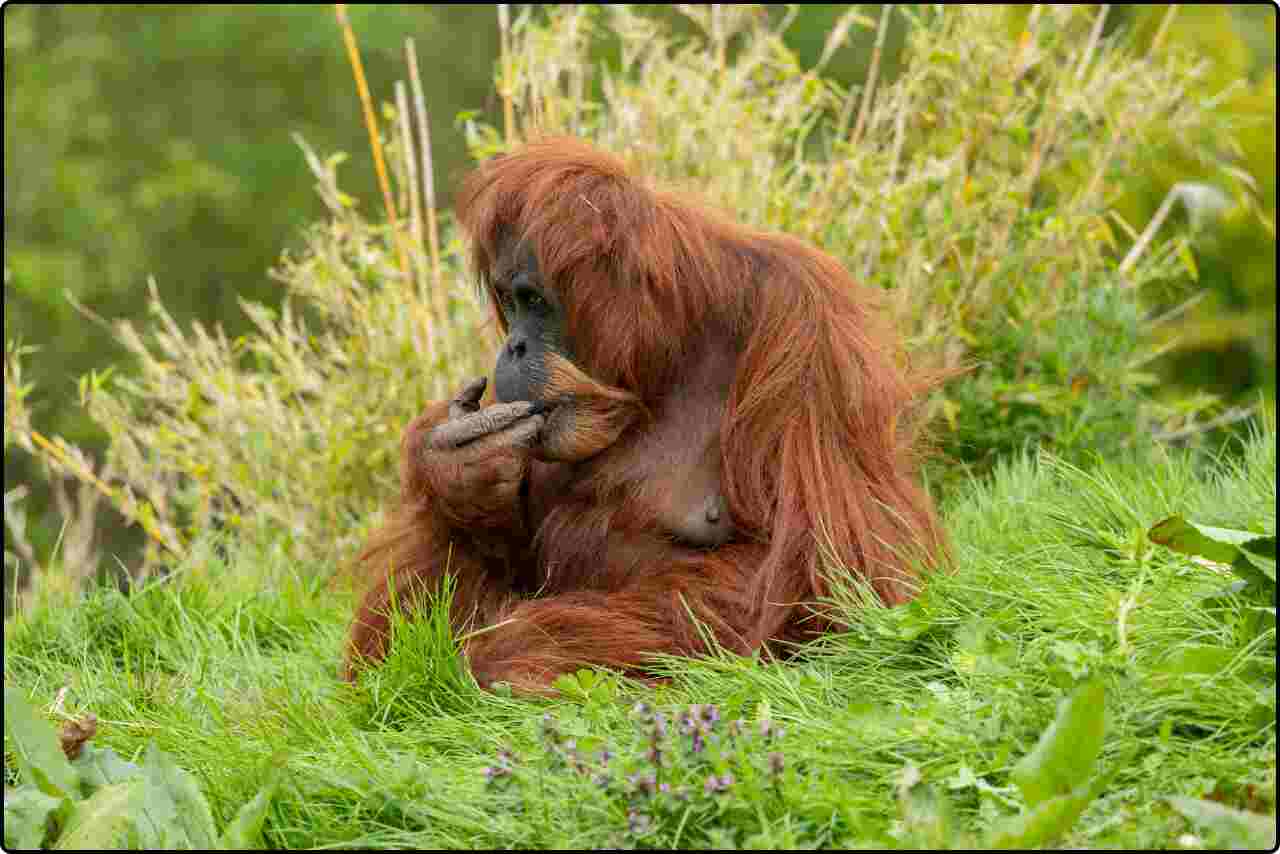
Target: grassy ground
{"points": [[230, 666]]}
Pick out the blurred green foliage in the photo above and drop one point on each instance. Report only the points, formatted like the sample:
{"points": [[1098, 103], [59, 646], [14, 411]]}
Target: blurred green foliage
{"points": [[1226, 344], [158, 141]]}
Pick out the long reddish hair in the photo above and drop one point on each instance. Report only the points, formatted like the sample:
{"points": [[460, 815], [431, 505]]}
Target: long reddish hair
{"points": [[818, 431]]}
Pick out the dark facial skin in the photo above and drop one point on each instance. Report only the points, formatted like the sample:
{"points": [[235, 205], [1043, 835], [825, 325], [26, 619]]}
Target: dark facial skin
{"points": [[691, 509], [535, 328]]}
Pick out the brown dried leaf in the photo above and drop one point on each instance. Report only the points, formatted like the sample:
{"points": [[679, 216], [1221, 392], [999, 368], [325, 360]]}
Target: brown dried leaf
{"points": [[75, 733]]}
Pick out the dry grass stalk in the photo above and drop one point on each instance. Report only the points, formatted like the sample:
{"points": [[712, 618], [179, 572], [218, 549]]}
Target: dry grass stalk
{"points": [[371, 123], [71, 463], [1158, 40], [409, 168], [408, 153], [1094, 35], [1149, 232], [872, 73], [504, 45], [428, 182]]}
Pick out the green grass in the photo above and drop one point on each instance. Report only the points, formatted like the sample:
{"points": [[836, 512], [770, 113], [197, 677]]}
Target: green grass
{"points": [[230, 665]]}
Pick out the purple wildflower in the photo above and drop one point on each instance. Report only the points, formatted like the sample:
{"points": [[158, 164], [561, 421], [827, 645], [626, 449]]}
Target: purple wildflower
{"points": [[685, 722], [646, 784], [769, 730], [549, 731], [493, 772], [718, 784]]}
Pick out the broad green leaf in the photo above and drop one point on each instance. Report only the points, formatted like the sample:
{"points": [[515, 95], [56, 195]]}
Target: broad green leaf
{"points": [[140, 813], [102, 766], [27, 816], [35, 742], [1199, 659], [1047, 821], [567, 684], [1256, 564], [105, 821], [1262, 563], [1233, 828], [604, 690], [245, 831], [1254, 578], [586, 685], [1223, 597], [926, 815], [1063, 759], [1261, 546], [191, 810], [1216, 544], [1251, 556], [158, 820]]}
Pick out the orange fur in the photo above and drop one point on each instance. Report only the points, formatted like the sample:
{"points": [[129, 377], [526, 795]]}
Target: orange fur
{"points": [[691, 335]]}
